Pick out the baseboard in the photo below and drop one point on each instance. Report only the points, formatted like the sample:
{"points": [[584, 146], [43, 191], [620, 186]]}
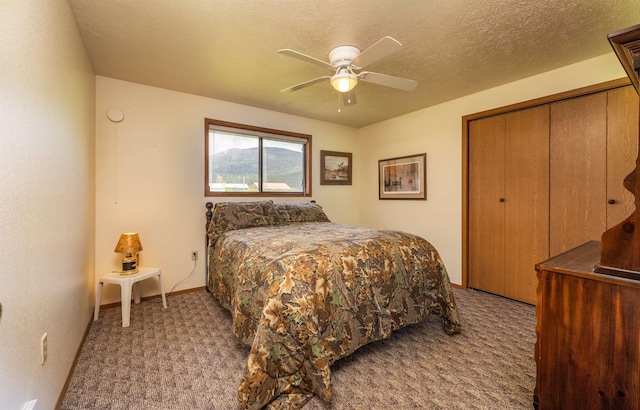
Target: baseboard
{"points": [[142, 299], [75, 362]]}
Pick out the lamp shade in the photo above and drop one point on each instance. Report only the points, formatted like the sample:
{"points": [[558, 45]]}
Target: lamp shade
{"points": [[344, 81], [129, 243]]}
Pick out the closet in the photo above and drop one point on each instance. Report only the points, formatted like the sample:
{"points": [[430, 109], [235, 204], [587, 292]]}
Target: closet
{"points": [[542, 180]]}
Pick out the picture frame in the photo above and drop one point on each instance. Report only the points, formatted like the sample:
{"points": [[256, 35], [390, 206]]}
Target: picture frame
{"points": [[335, 168], [403, 177]]}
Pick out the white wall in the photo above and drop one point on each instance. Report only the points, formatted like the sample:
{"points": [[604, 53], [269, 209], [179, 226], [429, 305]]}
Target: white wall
{"points": [[150, 175], [47, 98], [438, 132]]}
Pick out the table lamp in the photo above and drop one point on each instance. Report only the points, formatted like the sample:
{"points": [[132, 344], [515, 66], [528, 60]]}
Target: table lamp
{"points": [[130, 245]]}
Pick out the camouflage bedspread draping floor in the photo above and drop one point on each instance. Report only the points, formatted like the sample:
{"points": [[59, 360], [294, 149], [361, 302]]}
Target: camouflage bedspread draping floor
{"points": [[304, 295]]}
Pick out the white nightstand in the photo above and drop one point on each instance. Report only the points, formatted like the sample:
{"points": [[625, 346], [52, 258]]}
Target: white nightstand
{"points": [[127, 282]]}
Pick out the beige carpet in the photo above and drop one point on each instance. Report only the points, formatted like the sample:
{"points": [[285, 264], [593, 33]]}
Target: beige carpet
{"points": [[185, 357]]}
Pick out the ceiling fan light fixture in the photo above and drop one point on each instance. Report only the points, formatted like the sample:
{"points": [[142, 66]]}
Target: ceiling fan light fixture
{"points": [[344, 81], [345, 59]]}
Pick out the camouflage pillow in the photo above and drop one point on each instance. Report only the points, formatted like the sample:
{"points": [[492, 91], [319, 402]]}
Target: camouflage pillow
{"points": [[229, 216], [300, 212]]}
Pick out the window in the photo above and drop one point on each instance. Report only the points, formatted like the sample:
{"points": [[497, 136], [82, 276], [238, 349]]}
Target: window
{"points": [[243, 160]]}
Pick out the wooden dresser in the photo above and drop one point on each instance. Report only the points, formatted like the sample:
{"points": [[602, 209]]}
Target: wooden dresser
{"points": [[588, 335]]}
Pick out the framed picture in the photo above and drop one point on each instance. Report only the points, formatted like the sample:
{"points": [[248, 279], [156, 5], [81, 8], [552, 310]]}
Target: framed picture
{"points": [[403, 177], [335, 168]]}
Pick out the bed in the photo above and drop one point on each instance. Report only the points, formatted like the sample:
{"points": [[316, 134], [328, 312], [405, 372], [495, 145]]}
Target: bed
{"points": [[304, 292]]}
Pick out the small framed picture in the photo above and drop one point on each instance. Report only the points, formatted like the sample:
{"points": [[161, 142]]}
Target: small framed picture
{"points": [[403, 177], [335, 168]]}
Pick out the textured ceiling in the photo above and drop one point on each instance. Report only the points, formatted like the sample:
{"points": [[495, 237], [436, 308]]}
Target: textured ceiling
{"points": [[227, 49]]}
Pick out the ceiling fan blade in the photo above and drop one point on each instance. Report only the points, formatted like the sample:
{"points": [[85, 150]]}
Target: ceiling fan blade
{"points": [[305, 84], [296, 54], [388, 81], [349, 98], [381, 49]]}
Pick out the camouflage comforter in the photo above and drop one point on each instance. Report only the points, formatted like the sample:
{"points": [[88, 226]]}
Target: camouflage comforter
{"points": [[304, 295]]}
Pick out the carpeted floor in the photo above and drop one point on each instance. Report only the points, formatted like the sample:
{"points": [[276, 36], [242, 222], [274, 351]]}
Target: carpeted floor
{"points": [[185, 357]]}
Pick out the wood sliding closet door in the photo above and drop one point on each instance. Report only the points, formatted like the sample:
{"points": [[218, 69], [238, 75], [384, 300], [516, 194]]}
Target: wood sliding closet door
{"points": [[578, 171], [508, 201], [526, 200]]}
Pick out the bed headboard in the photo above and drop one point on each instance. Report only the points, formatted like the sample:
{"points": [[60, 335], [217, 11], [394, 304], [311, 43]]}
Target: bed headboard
{"points": [[209, 214], [235, 215]]}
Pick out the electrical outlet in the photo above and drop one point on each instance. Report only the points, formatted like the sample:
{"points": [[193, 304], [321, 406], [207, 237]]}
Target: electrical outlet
{"points": [[194, 255], [43, 348]]}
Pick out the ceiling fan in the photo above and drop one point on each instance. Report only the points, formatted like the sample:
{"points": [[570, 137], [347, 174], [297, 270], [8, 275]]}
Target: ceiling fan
{"points": [[347, 63]]}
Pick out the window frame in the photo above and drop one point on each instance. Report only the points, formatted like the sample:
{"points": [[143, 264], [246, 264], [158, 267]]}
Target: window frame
{"points": [[277, 134]]}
